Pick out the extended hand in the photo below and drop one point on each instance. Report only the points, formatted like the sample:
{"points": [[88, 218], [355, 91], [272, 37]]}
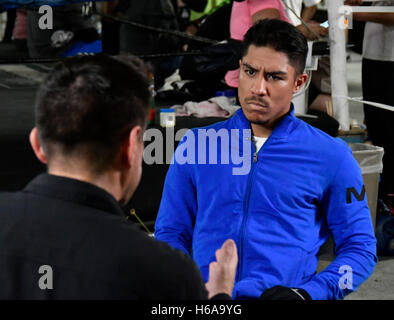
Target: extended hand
{"points": [[353, 2], [222, 271], [316, 27]]}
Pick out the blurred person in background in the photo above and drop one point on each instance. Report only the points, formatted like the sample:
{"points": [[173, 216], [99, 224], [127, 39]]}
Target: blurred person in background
{"points": [[377, 86], [70, 34]]}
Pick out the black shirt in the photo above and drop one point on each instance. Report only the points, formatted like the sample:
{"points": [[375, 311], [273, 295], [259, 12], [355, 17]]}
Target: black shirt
{"points": [[81, 233]]}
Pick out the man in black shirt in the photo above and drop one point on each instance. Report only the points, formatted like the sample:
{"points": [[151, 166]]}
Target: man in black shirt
{"points": [[65, 235]]}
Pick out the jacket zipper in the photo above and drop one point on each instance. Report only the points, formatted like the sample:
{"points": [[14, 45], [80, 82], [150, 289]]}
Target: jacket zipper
{"points": [[246, 213]]}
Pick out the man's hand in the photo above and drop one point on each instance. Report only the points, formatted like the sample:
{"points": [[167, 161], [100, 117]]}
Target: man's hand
{"points": [[316, 27], [269, 13], [386, 18], [222, 271], [353, 2]]}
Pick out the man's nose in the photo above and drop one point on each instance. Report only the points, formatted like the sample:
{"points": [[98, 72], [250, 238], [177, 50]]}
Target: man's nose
{"points": [[259, 86]]}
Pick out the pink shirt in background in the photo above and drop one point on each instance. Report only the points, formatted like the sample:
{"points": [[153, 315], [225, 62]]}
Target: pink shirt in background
{"points": [[20, 27], [241, 21]]}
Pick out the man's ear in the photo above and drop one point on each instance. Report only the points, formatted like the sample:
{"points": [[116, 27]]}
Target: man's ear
{"points": [[131, 145], [299, 82], [36, 146]]}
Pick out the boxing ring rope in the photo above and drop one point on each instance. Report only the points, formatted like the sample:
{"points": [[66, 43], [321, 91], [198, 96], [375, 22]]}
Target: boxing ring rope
{"points": [[336, 19]]}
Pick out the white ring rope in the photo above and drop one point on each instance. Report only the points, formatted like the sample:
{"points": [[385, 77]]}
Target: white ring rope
{"points": [[374, 104]]}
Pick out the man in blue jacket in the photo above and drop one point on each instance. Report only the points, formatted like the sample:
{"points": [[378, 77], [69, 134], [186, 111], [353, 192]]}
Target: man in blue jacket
{"points": [[292, 188]]}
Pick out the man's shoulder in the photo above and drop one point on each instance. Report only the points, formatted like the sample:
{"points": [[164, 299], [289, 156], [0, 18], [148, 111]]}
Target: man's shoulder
{"points": [[5, 195], [126, 255], [11, 200], [98, 250], [320, 139], [329, 151]]}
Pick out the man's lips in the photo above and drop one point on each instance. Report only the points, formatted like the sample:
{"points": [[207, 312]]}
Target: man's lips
{"points": [[256, 104]]}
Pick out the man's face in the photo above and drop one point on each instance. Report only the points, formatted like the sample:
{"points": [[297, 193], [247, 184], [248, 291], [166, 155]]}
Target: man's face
{"points": [[267, 83]]}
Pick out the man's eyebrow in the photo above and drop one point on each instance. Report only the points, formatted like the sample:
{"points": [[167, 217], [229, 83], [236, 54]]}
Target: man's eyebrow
{"points": [[248, 66], [276, 73]]}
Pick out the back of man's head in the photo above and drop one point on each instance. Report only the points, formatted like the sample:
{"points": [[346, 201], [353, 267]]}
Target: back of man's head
{"points": [[280, 36], [87, 105]]}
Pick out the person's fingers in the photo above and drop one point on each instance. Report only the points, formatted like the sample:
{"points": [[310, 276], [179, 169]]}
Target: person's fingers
{"points": [[227, 254], [353, 2], [313, 23], [212, 269], [218, 254], [212, 266], [227, 251], [323, 31], [230, 249], [222, 271], [229, 244]]}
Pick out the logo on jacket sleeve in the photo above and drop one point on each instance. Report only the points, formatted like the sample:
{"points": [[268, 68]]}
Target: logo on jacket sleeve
{"points": [[359, 196]]}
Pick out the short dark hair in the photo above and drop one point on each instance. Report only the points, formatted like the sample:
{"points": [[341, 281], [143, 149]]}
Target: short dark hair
{"points": [[280, 36], [87, 105]]}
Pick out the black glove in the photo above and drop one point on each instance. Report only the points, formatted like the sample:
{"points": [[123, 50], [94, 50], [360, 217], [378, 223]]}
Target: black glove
{"points": [[285, 293]]}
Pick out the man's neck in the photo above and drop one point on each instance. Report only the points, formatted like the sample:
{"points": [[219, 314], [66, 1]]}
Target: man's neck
{"points": [[107, 181], [259, 131], [265, 130]]}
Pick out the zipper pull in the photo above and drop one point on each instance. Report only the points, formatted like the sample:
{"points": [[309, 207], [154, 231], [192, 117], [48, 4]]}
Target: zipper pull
{"points": [[255, 157]]}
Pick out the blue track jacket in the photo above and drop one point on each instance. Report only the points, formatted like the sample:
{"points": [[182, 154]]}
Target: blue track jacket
{"points": [[301, 186]]}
